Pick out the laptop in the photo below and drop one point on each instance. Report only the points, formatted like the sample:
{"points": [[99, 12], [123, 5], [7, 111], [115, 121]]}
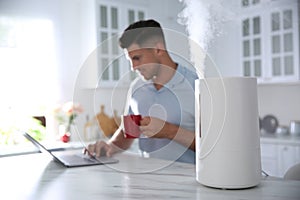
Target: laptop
{"points": [[71, 158]]}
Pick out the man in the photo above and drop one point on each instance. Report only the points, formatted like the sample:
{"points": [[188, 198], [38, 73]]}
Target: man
{"points": [[163, 95]]}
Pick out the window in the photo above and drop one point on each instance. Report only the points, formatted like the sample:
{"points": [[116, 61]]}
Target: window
{"points": [[27, 74], [113, 18]]}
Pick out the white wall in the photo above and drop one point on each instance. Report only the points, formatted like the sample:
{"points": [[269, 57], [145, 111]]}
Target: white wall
{"points": [[280, 100]]}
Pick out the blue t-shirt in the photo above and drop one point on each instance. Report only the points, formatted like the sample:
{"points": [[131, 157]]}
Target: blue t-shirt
{"points": [[174, 103]]}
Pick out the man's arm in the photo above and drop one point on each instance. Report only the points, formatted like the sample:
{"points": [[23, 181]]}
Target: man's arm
{"points": [[119, 142], [157, 128], [116, 144]]}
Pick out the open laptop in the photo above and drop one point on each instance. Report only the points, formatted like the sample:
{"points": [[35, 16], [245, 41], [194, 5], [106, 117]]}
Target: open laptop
{"points": [[71, 158]]}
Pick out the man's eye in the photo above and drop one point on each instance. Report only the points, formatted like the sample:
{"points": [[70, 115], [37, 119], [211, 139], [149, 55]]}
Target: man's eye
{"points": [[136, 58]]}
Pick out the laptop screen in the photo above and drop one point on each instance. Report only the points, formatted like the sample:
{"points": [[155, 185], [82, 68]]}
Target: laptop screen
{"points": [[39, 145]]}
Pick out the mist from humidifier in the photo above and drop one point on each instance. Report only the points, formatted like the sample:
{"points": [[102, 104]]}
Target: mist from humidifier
{"points": [[203, 19]]}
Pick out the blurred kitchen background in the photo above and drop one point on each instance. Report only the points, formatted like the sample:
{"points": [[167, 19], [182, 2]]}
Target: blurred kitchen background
{"points": [[49, 54]]}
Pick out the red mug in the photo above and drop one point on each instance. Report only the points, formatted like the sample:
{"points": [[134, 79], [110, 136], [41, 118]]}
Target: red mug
{"points": [[131, 125]]}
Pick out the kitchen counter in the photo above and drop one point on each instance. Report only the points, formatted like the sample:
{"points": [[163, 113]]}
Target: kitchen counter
{"points": [[36, 176], [280, 139]]}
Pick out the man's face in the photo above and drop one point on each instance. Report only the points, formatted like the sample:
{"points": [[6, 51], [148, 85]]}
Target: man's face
{"points": [[143, 60]]}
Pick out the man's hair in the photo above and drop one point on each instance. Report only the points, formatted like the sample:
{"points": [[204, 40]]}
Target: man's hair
{"points": [[141, 32]]}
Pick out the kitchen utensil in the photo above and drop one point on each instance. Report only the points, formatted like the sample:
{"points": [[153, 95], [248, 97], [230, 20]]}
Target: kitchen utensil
{"points": [[282, 130], [270, 123], [295, 127]]}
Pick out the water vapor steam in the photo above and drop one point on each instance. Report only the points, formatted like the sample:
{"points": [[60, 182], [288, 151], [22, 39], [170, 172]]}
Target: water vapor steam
{"points": [[203, 19]]}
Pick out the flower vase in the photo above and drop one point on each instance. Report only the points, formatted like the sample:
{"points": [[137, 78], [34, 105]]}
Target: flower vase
{"points": [[64, 133]]}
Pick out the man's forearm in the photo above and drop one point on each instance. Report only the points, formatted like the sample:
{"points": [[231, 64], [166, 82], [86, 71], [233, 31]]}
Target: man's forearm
{"points": [[118, 142], [182, 136]]}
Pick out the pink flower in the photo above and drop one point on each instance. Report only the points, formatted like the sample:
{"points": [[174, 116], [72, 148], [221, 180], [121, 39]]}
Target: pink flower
{"points": [[71, 108], [67, 113]]}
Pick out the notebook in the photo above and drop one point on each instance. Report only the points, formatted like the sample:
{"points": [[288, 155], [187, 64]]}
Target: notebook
{"points": [[70, 158]]}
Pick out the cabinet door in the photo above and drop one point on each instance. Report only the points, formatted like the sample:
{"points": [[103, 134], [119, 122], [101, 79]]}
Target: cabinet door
{"points": [[287, 158], [112, 65], [298, 154], [269, 166], [283, 51], [269, 159], [269, 41]]}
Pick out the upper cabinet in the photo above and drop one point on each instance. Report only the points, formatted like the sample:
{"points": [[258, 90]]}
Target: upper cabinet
{"points": [[112, 18], [270, 40], [259, 39], [103, 22]]}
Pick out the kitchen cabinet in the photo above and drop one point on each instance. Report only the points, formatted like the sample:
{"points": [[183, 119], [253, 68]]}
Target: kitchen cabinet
{"points": [[278, 154], [263, 44], [111, 19], [287, 157], [268, 42], [269, 159]]}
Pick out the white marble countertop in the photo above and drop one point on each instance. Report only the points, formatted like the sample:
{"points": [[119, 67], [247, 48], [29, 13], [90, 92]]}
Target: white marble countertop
{"points": [[280, 139], [36, 176]]}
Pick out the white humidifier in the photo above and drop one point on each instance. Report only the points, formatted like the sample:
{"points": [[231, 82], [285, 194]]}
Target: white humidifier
{"points": [[227, 138]]}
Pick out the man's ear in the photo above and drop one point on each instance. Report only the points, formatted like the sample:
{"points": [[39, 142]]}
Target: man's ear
{"points": [[160, 48]]}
